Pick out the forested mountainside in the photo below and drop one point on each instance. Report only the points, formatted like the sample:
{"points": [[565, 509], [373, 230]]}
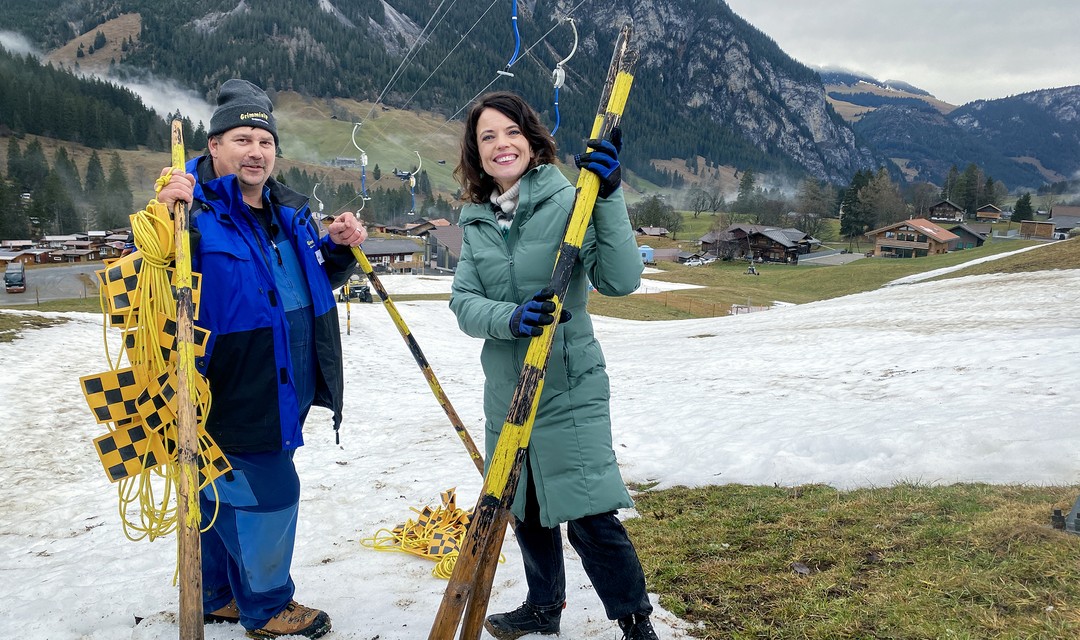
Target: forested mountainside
{"points": [[1025, 140], [708, 84]]}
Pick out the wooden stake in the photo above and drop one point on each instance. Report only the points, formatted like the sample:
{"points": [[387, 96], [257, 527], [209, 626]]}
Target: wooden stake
{"points": [[188, 516]]}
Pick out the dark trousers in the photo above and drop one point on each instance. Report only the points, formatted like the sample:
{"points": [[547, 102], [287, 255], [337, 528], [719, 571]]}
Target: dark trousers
{"points": [[606, 553]]}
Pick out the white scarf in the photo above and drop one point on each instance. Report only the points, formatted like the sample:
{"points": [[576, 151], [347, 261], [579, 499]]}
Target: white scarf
{"points": [[505, 205]]}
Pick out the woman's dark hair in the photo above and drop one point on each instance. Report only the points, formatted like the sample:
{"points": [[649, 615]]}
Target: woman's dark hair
{"points": [[477, 185]]}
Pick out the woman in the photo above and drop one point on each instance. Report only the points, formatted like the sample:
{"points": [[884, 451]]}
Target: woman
{"points": [[513, 226]]}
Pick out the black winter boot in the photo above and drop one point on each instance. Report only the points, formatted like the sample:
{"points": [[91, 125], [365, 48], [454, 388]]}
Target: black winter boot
{"points": [[522, 621], [637, 627]]}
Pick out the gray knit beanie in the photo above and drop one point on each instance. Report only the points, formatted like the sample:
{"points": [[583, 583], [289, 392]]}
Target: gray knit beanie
{"points": [[242, 104]]}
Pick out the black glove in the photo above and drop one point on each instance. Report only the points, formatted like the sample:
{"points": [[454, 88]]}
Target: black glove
{"points": [[603, 160], [530, 317]]}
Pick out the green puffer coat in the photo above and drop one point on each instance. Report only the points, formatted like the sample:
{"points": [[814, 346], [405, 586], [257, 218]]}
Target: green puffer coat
{"points": [[570, 450]]}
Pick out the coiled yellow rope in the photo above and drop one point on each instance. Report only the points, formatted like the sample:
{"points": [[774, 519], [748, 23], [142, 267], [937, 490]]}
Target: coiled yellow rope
{"points": [[139, 452], [436, 535]]}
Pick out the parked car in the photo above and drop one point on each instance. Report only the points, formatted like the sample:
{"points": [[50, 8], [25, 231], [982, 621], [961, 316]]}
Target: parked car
{"points": [[15, 278], [358, 292], [694, 262]]}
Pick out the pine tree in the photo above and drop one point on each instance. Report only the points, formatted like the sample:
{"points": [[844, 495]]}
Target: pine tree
{"points": [[744, 201], [35, 167], [118, 201], [53, 207], [95, 185], [14, 162], [1023, 209], [13, 224]]}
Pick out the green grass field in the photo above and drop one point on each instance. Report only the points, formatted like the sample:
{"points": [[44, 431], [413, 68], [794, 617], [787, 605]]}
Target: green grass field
{"points": [[725, 283]]}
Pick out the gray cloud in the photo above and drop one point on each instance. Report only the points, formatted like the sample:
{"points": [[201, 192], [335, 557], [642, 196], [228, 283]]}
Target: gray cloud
{"points": [[18, 44], [959, 50]]}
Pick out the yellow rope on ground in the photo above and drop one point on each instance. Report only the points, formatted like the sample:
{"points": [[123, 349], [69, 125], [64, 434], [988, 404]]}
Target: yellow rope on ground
{"points": [[436, 535], [137, 403]]}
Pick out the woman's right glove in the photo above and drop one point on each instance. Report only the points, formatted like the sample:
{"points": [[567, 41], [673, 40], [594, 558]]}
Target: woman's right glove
{"points": [[530, 317], [603, 160]]}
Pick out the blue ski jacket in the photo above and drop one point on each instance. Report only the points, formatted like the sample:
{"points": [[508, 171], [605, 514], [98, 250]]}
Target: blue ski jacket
{"points": [[247, 363]]}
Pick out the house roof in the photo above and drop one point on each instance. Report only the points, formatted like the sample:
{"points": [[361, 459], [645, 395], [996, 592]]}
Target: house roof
{"points": [[988, 207], [652, 231], [390, 247], [450, 237], [922, 224], [1066, 222], [968, 230], [789, 237], [947, 203], [1064, 211]]}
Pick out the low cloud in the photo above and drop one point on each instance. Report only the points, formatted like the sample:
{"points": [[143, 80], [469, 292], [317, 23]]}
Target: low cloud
{"points": [[18, 44]]}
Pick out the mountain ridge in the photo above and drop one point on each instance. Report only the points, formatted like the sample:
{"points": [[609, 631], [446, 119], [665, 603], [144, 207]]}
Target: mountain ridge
{"points": [[709, 84]]}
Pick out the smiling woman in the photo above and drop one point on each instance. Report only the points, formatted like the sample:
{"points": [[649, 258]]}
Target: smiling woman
{"points": [[513, 229]]}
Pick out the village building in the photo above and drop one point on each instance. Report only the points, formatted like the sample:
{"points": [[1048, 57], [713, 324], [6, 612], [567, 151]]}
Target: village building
{"points": [[759, 243], [946, 211], [914, 238], [988, 213], [967, 237]]}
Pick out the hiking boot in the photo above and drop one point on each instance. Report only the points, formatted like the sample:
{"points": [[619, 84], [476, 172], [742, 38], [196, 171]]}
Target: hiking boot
{"points": [[228, 613], [524, 620], [637, 627], [295, 620]]}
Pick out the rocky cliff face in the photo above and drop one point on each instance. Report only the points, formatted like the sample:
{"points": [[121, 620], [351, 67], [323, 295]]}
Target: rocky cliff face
{"points": [[710, 60]]}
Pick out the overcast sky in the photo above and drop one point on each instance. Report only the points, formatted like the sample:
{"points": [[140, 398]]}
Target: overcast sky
{"points": [[958, 50]]}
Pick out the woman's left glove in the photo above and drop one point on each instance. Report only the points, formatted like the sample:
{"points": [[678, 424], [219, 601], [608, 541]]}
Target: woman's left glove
{"points": [[603, 160], [530, 317]]}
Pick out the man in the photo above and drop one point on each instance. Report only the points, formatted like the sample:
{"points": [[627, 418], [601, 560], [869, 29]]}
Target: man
{"points": [[274, 351]]}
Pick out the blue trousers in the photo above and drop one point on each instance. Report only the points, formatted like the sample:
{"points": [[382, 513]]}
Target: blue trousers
{"points": [[606, 553], [247, 554]]}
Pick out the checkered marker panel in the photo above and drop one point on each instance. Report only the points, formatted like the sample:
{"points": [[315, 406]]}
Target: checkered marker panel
{"points": [[156, 404], [120, 281], [167, 337], [212, 462], [442, 543], [129, 451], [112, 394]]}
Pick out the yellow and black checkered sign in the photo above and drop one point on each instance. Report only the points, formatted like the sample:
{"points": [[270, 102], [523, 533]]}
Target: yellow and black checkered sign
{"points": [[120, 282], [212, 462], [166, 337], [156, 404], [112, 394], [442, 542], [129, 451]]}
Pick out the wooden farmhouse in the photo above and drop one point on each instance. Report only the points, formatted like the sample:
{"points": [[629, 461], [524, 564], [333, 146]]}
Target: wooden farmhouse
{"points": [[759, 242], [394, 255], [914, 238], [987, 213], [946, 211]]}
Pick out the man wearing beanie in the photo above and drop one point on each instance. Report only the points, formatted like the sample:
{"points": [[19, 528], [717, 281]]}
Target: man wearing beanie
{"points": [[274, 351]]}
